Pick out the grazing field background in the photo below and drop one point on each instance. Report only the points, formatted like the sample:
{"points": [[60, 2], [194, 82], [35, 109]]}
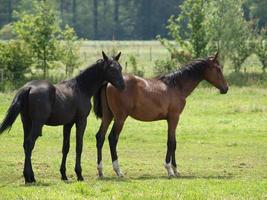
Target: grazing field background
{"points": [[221, 153]]}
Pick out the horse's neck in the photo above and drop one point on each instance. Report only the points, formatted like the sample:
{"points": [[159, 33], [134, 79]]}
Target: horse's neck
{"points": [[90, 80], [188, 86]]}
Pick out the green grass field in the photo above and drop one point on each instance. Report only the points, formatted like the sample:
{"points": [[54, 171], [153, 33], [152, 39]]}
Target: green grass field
{"points": [[221, 153]]}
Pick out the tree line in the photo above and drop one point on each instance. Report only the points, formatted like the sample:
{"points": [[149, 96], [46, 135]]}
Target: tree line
{"points": [[103, 19], [119, 19]]}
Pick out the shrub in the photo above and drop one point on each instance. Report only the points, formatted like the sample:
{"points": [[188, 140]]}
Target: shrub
{"points": [[164, 66], [136, 71], [15, 59], [6, 33]]}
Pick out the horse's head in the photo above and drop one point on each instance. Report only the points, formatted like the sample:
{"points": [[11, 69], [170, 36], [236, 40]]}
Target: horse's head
{"points": [[214, 75], [112, 71]]}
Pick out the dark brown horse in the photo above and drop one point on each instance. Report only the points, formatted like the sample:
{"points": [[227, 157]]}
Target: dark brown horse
{"points": [[160, 98], [67, 103]]}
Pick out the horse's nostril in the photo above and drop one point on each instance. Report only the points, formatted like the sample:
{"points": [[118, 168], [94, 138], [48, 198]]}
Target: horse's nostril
{"points": [[224, 90]]}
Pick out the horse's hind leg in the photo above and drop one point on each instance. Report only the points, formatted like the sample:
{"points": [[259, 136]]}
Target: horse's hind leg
{"points": [[113, 140], [100, 138], [80, 127], [65, 149], [29, 142]]}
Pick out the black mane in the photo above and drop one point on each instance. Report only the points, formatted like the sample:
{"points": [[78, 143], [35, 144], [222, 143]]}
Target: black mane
{"points": [[193, 70], [88, 78]]}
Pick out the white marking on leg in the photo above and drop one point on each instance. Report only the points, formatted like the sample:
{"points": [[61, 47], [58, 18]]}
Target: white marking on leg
{"points": [[169, 169], [116, 168]]}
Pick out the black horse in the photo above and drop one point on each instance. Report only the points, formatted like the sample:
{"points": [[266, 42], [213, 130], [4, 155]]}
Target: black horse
{"points": [[67, 103]]}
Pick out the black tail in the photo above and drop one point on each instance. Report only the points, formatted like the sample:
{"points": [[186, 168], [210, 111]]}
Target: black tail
{"points": [[14, 109], [97, 102]]}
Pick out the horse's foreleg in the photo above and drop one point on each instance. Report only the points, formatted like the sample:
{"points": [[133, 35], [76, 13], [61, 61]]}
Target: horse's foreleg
{"points": [[170, 163], [29, 142], [113, 140], [100, 138], [65, 149], [80, 127]]}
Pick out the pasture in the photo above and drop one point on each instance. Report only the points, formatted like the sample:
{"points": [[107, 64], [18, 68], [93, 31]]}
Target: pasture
{"points": [[221, 153]]}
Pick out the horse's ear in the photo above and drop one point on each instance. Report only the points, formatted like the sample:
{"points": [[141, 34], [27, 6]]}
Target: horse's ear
{"points": [[216, 56], [117, 57], [104, 56]]}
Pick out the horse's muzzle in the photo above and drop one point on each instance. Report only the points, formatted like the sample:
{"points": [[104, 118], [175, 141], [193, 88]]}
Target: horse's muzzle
{"points": [[224, 90], [121, 85]]}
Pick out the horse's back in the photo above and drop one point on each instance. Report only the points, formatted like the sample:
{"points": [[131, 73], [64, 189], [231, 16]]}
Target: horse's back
{"points": [[143, 99]]}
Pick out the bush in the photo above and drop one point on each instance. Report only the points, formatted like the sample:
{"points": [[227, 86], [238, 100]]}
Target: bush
{"points": [[240, 54], [133, 63], [164, 66], [15, 59], [6, 33]]}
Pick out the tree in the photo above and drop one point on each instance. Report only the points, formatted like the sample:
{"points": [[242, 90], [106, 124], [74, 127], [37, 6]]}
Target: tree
{"points": [[10, 10], [95, 13], [15, 59], [116, 18], [70, 50], [144, 20], [261, 48], [227, 28], [188, 31], [40, 31], [74, 13]]}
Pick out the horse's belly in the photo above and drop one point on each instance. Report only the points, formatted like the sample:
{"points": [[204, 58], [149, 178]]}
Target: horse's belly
{"points": [[59, 119], [61, 114], [148, 113]]}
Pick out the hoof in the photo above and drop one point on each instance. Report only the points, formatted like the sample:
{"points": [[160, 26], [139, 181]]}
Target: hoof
{"points": [[177, 174], [80, 178], [119, 174], [64, 178], [29, 180], [100, 175], [171, 176]]}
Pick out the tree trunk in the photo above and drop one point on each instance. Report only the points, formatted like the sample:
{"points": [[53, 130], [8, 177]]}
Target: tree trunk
{"points": [[62, 9], [144, 22], [116, 19], [95, 17], [10, 9], [74, 14]]}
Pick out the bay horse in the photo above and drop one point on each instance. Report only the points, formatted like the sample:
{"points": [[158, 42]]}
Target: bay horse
{"points": [[67, 103], [159, 98]]}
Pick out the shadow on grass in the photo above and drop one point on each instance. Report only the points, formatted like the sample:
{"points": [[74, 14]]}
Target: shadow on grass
{"points": [[152, 177]]}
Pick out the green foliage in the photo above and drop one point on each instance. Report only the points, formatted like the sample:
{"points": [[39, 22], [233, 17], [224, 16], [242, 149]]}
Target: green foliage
{"points": [[40, 31], [70, 47], [188, 31], [15, 59], [135, 70], [227, 29], [241, 52], [164, 66], [206, 26], [6, 32], [261, 48]]}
